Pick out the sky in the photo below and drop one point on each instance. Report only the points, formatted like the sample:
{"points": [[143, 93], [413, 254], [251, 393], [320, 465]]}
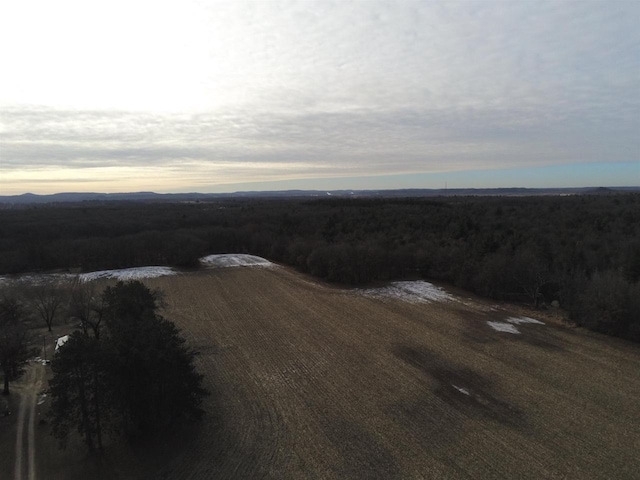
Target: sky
{"points": [[203, 96]]}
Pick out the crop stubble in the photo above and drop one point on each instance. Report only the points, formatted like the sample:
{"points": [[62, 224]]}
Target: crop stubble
{"points": [[313, 382]]}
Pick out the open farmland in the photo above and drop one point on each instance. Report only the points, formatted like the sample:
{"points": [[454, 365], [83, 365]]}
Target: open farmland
{"points": [[313, 382]]}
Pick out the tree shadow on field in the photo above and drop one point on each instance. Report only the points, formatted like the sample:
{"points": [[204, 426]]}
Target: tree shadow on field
{"points": [[160, 457], [465, 392], [168, 454], [242, 431]]}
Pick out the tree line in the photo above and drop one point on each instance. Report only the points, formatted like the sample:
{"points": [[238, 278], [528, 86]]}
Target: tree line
{"points": [[581, 251], [124, 370]]}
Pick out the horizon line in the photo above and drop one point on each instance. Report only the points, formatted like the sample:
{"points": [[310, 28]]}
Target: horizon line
{"points": [[310, 190]]}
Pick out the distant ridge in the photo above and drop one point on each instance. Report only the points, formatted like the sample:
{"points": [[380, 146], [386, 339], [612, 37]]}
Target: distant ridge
{"points": [[77, 197]]}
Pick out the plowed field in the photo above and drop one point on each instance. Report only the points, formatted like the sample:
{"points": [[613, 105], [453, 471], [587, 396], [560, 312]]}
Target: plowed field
{"points": [[312, 382]]}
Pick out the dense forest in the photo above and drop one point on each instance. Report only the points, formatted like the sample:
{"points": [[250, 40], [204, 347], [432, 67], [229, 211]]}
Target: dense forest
{"points": [[582, 251]]}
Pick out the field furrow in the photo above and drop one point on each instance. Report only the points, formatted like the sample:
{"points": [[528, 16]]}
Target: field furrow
{"points": [[312, 382]]}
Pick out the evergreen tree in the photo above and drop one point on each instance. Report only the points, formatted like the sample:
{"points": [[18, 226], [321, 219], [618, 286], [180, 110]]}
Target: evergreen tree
{"points": [[138, 377], [155, 379], [81, 391], [14, 341]]}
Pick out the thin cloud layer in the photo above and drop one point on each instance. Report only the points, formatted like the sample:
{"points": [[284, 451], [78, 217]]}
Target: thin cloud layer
{"points": [[206, 94]]}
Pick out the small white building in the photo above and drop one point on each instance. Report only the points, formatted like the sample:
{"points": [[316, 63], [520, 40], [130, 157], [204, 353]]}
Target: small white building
{"points": [[61, 341]]}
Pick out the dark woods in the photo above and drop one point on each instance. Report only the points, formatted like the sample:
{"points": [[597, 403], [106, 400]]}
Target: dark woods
{"points": [[581, 251], [130, 373]]}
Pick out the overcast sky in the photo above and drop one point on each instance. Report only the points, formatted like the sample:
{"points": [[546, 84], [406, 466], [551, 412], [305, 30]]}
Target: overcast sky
{"points": [[221, 96]]}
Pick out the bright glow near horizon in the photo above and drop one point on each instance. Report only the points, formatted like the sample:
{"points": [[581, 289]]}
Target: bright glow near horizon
{"points": [[205, 96]]}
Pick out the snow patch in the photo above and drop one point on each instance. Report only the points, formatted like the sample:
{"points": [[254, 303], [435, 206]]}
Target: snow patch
{"points": [[413, 292], [503, 327], [234, 260], [521, 320], [125, 274], [509, 324], [464, 391], [35, 279], [135, 273], [478, 306]]}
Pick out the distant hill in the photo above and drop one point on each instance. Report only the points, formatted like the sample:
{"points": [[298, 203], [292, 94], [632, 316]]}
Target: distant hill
{"points": [[77, 197]]}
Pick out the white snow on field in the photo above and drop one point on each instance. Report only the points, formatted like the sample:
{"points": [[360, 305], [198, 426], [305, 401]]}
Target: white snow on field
{"points": [[503, 327], [34, 278], [521, 320], [234, 260], [125, 274], [135, 273], [461, 390], [413, 292], [509, 324]]}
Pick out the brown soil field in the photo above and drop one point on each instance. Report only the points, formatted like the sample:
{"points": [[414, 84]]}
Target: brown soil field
{"points": [[311, 382]]}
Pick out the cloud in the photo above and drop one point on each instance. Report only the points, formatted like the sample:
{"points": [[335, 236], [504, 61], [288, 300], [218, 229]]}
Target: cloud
{"points": [[239, 91]]}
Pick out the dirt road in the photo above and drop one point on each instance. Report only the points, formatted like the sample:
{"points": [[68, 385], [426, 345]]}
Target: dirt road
{"points": [[25, 465]]}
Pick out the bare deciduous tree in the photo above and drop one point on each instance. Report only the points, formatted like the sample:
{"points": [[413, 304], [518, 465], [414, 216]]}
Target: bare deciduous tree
{"points": [[531, 274], [48, 298], [87, 306]]}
